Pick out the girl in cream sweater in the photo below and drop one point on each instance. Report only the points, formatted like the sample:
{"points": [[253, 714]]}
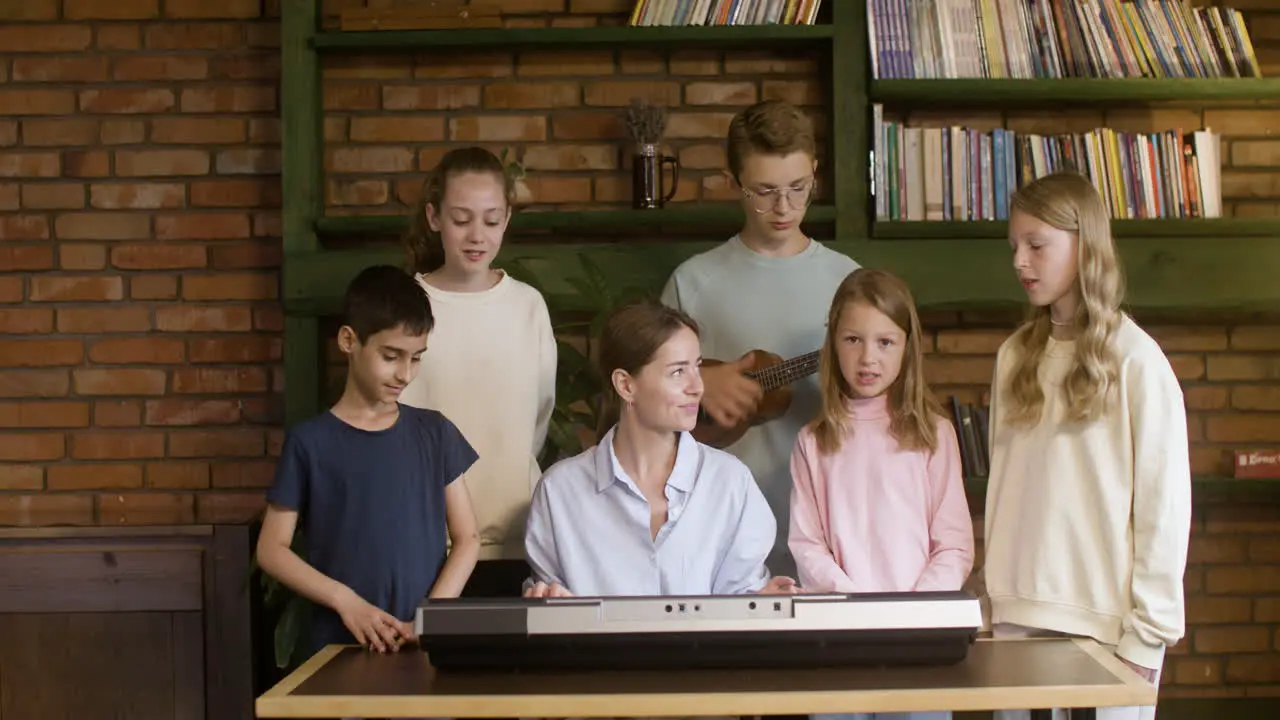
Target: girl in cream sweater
{"points": [[494, 375], [1089, 501]]}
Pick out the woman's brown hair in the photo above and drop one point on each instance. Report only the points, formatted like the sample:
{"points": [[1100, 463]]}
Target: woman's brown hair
{"points": [[1068, 201], [913, 410], [423, 245], [631, 337]]}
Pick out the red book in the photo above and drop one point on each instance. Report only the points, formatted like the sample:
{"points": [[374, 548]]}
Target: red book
{"points": [[1263, 464]]}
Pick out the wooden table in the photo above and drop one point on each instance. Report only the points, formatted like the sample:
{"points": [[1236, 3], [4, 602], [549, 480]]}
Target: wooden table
{"points": [[344, 681]]}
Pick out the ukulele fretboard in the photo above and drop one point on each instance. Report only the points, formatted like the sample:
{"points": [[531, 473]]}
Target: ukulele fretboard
{"points": [[786, 372]]}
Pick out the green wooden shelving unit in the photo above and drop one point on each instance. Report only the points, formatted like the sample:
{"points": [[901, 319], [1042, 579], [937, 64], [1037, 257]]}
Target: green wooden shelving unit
{"points": [[1171, 264]]}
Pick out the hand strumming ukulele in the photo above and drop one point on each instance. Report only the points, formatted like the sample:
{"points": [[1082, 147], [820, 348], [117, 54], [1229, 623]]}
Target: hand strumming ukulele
{"points": [[775, 377]]}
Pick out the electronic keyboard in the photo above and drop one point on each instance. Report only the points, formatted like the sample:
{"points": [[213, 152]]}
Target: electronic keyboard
{"points": [[721, 631]]}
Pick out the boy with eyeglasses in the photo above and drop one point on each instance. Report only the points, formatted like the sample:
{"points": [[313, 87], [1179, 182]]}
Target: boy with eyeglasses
{"points": [[767, 287]]}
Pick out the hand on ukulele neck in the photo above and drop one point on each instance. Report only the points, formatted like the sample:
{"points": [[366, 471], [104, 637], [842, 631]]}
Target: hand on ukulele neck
{"points": [[728, 395]]}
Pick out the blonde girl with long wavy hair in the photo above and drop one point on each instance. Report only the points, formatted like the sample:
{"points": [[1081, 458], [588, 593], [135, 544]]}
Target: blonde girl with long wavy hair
{"points": [[1089, 500], [878, 502]]}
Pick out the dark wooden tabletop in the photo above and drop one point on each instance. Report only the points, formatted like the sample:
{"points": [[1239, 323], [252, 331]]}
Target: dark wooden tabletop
{"points": [[348, 681]]}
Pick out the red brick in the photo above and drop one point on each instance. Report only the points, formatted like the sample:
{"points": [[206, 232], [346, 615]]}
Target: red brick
{"points": [[1197, 671], [21, 477], [71, 288], [1242, 428], [246, 256], [153, 287], [219, 381], [392, 129], [498, 128], [245, 66], [216, 443], [705, 156], [202, 226], [1264, 549], [119, 36], [200, 9], [248, 474], [235, 193], [117, 413], [53, 196], [356, 192], [146, 509], [269, 318], [514, 95], [430, 97], [267, 224], [796, 92], [687, 125], [196, 318], [1203, 610], [126, 351], [198, 131], [588, 63], [127, 100], [240, 349], [1256, 669], [241, 99], [641, 62], [24, 447], [959, 370], [178, 475], [67, 69], [351, 96], [26, 321], [194, 36], [43, 38], [160, 67], [229, 507], [10, 286], [1242, 579], [59, 133], [1242, 519], [24, 227], [102, 226], [40, 353], [136, 196], [117, 445], [55, 414], [695, 62], [1188, 367], [10, 196], [1255, 337], [161, 163], [228, 286], [25, 257], [30, 164], [30, 10], [1216, 549], [248, 161], [1266, 610], [82, 257], [104, 320], [157, 257], [621, 93], [180, 411], [45, 510], [94, 477], [114, 10], [1256, 397], [719, 93], [551, 189], [571, 157], [118, 381], [265, 131], [33, 383], [1206, 397], [370, 160], [84, 163]]}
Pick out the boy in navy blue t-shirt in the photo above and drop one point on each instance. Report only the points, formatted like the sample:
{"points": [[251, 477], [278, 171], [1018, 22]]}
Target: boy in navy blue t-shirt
{"points": [[374, 483]]}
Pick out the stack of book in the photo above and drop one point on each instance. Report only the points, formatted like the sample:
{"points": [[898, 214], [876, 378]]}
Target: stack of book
{"points": [[972, 427], [955, 173], [1056, 39], [724, 12]]}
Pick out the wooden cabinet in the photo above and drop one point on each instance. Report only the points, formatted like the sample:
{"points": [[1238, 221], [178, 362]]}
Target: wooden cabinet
{"points": [[141, 623]]}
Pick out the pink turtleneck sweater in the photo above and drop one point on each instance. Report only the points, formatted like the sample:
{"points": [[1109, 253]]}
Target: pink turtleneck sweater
{"points": [[873, 518]]}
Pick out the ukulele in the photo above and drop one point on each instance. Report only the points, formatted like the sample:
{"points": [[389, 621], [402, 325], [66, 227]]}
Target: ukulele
{"points": [[775, 377]]}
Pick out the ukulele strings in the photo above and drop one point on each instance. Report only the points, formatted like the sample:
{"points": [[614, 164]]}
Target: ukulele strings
{"points": [[783, 373]]}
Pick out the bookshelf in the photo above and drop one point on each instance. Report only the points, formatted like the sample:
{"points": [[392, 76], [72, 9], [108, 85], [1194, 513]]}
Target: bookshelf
{"points": [[1224, 263]]}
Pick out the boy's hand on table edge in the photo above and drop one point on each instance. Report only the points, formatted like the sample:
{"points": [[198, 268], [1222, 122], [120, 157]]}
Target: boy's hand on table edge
{"points": [[372, 627]]}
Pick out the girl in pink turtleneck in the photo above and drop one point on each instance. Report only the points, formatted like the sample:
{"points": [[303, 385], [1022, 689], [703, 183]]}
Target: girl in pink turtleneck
{"points": [[878, 501]]}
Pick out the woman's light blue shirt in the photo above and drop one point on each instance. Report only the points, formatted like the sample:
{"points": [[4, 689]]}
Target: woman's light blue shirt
{"points": [[588, 527]]}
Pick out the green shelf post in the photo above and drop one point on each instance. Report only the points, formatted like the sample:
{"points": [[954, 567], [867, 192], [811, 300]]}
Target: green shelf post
{"points": [[302, 145], [850, 120]]}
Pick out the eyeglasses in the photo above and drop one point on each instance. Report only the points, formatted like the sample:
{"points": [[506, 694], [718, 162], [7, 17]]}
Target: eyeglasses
{"points": [[798, 196]]}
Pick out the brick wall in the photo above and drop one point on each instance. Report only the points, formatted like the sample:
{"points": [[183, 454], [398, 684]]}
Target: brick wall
{"points": [[139, 254]]}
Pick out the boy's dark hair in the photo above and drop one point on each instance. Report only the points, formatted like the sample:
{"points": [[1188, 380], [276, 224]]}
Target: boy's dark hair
{"points": [[382, 297]]}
